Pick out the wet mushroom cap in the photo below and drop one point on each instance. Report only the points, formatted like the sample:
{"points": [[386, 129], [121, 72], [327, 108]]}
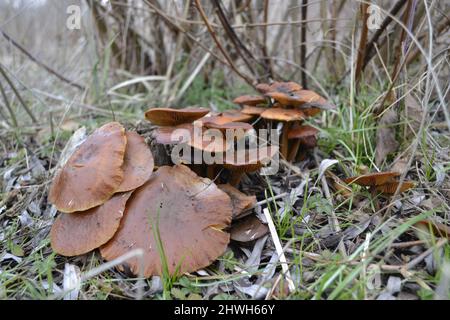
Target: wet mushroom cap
{"points": [[250, 100], [254, 111], [240, 201], [279, 114], [391, 186], [190, 213], [372, 179], [252, 159], [138, 163], [302, 132], [248, 229], [174, 117], [93, 173], [77, 233], [173, 135], [237, 116]]}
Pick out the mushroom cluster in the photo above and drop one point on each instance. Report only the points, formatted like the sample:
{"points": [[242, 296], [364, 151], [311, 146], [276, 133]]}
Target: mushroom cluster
{"points": [[289, 104]]}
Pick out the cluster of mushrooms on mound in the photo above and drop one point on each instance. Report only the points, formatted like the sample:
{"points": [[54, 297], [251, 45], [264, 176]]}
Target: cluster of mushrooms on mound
{"points": [[111, 196]]}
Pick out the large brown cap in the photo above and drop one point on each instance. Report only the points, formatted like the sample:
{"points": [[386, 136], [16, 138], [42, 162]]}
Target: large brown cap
{"points": [[250, 100], [93, 173], [174, 117], [252, 159], [190, 214], [237, 116], [280, 114], [240, 201], [173, 135], [138, 163], [248, 229], [285, 87], [302, 132], [372, 179], [77, 233]]}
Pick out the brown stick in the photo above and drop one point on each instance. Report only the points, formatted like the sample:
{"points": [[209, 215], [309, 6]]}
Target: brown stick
{"points": [[362, 42], [303, 44]]}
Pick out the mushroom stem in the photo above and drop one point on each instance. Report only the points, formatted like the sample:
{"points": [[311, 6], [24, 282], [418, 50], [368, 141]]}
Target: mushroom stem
{"points": [[373, 192], [284, 140], [211, 172], [294, 150], [235, 178]]}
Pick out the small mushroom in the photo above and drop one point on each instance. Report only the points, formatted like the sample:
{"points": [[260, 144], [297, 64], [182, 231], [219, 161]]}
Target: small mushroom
{"points": [[254, 111], [186, 212], [302, 135], [250, 100], [138, 163], [287, 116], [93, 173], [77, 233], [240, 201], [304, 99], [248, 229], [174, 117], [254, 159], [237, 116], [173, 135], [285, 87]]}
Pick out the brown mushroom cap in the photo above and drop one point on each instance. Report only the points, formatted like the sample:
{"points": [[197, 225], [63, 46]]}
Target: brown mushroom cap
{"points": [[391, 186], [237, 116], [280, 114], [190, 213], [240, 201], [372, 179], [253, 160], [304, 98], [174, 117], [93, 173], [248, 229], [138, 163], [209, 140], [173, 135], [285, 87], [77, 233], [250, 100], [302, 132], [254, 111]]}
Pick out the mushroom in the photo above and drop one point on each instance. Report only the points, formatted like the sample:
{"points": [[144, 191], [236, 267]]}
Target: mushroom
{"points": [[302, 135], [93, 173], [250, 100], [138, 163], [174, 117], [254, 159], [248, 229], [383, 182], [185, 212], [287, 116], [285, 87], [241, 202], [173, 135], [304, 99], [254, 111], [77, 233], [237, 116]]}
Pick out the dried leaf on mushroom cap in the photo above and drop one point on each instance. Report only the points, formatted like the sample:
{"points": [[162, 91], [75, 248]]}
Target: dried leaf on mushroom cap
{"points": [[174, 117], [77, 233], [138, 163], [93, 173], [190, 213]]}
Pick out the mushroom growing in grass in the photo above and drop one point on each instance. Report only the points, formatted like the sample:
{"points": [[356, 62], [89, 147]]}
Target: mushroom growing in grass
{"points": [[176, 216], [93, 173], [382, 182], [250, 100], [77, 233], [241, 202], [303, 99], [276, 86], [253, 160], [174, 117], [248, 229], [302, 136], [287, 116]]}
